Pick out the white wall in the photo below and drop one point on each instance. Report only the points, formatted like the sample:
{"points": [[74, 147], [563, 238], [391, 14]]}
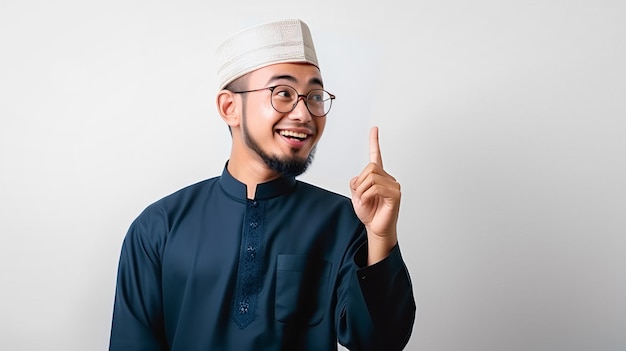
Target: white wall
{"points": [[503, 120]]}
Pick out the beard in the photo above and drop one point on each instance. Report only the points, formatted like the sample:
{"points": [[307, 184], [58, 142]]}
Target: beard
{"points": [[287, 166]]}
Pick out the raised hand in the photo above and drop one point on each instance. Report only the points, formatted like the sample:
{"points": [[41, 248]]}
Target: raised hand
{"points": [[376, 201]]}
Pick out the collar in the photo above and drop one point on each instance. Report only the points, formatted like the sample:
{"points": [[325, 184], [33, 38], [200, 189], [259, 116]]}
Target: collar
{"points": [[238, 190]]}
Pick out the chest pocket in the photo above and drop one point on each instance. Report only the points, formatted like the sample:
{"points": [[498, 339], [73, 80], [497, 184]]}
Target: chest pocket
{"points": [[301, 289]]}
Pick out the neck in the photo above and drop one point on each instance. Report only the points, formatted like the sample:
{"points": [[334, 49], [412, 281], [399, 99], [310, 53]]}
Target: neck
{"points": [[250, 173]]}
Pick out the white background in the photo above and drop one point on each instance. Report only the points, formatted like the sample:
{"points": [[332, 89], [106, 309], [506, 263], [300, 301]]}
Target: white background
{"points": [[503, 121]]}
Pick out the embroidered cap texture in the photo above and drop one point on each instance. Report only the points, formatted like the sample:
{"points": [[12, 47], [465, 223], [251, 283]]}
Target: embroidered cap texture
{"points": [[264, 45]]}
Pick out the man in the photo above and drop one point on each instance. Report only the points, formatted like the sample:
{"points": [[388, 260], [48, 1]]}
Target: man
{"points": [[255, 259]]}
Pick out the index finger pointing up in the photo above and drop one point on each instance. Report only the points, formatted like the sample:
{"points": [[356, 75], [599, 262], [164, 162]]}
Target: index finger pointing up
{"points": [[375, 156]]}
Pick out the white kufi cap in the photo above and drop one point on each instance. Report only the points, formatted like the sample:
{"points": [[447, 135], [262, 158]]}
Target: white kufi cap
{"points": [[264, 45]]}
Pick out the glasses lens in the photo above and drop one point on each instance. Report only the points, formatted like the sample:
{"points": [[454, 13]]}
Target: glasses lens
{"points": [[284, 98], [318, 101]]}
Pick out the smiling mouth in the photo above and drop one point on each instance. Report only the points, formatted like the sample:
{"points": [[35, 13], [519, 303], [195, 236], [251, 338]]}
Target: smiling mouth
{"points": [[293, 135]]}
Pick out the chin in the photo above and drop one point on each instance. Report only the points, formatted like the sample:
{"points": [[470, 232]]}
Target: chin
{"points": [[289, 166]]}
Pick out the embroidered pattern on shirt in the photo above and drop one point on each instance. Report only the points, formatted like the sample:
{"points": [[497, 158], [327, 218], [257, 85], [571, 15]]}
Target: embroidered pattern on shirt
{"points": [[249, 269]]}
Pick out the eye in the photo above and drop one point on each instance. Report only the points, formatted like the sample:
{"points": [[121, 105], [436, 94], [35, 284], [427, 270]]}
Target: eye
{"points": [[316, 96], [284, 92]]}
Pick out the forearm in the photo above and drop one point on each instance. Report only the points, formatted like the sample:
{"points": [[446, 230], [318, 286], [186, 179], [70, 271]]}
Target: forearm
{"points": [[378, 248], [380, 309]]}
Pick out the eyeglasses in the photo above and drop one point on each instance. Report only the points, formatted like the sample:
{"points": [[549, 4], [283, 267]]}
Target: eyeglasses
{"points": [[284, 99]]}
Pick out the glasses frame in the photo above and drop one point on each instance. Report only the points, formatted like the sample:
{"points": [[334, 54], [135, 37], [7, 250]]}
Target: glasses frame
{"points": [[299, 96]]}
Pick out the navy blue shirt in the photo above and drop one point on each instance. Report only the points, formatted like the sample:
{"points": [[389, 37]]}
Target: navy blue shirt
{"points": [[208, 269]]}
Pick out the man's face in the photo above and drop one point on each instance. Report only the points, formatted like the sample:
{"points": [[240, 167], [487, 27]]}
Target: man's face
{"points": [[284, 141]]}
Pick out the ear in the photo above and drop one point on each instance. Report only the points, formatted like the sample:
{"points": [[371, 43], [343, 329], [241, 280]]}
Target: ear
{"points": [[229, 107]]}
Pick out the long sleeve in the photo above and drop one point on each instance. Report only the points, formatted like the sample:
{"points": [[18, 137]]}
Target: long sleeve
{"points": [[138, 313], [379, 309]]}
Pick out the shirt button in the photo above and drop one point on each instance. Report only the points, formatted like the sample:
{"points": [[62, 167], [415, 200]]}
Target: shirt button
{"points": [[251, 251], [255, 203], [243, 307], [254, 225]]}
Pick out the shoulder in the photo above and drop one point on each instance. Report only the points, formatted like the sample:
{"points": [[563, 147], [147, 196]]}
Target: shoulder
{"points": [[150, 229], [190, 191], [324, 200], [318, 192], [184, 195], [160, 213]]}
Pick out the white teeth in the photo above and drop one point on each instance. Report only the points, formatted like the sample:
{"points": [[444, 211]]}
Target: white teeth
{"points": [[289, 133]]}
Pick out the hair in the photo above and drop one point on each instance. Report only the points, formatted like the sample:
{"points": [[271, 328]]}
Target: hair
{"points": [[239, 84]]}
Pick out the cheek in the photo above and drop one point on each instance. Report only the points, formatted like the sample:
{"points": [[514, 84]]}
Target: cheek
{"points": [[261, 119], [259, 103], [264, 112], [320, 127]]}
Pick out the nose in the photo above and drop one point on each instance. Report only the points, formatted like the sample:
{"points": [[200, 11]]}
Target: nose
{"points": [[300, 112]]}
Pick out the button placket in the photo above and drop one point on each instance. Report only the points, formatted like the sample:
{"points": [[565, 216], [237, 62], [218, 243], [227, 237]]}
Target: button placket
{"points": [[248, 272]]}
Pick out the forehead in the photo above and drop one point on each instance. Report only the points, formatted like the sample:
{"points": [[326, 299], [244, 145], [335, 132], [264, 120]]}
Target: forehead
{"points": [[302, 74]]}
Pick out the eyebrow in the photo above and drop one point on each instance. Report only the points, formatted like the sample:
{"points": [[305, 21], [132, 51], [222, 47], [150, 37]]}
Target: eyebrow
{"points": [[312, 81]]}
